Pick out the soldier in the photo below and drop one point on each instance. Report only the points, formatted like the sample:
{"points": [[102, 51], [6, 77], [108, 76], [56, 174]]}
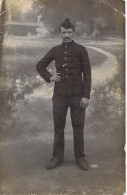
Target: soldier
{"points": [[72, 89]]}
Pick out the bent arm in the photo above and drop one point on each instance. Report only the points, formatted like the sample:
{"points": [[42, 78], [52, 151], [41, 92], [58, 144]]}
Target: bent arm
{"points": [[43, 63]]}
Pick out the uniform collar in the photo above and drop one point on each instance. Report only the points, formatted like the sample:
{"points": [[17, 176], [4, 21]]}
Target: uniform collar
{"points": [[70, 43]]}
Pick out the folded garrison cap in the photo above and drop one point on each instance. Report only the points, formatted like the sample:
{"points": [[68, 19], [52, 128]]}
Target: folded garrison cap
{"points": [[67, 24]]}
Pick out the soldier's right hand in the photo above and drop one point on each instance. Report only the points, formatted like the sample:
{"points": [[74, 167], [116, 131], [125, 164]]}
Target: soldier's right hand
{"points": [[55, 77]]}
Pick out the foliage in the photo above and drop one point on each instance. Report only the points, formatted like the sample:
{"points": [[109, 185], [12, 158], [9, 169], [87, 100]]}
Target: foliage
{"points": [[90, 17], [108, 98], [102, 15]]}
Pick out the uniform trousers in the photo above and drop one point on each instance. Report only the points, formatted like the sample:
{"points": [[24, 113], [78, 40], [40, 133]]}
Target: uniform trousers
{"points": [[60, 108]]}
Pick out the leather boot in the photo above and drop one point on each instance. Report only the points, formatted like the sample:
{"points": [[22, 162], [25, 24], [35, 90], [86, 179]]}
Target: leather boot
{"points": [[54, 162], [82, 163]]}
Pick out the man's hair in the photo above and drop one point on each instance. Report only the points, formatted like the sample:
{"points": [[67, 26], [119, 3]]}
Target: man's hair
{"points": [[67, 24]]}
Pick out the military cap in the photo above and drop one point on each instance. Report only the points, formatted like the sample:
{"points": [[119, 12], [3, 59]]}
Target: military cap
{"points": [[67, 24]]}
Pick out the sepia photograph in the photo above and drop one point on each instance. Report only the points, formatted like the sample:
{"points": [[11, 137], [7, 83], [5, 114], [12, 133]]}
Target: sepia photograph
{"points": [[62, 97]]}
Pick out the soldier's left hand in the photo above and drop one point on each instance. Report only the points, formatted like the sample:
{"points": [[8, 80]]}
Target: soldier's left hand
{"points": [[84, 102]]}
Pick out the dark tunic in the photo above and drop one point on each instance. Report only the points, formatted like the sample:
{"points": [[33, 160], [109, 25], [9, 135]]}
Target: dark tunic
{"points": [[72, 62]]}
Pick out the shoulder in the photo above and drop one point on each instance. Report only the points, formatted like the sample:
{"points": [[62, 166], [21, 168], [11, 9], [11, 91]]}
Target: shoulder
{"points": [[54, 48], [57, 46], [80, 46]]}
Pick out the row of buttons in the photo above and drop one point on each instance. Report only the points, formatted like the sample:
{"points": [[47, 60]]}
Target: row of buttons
{"points": [[66, 73], [65, 53], [66, 64]]}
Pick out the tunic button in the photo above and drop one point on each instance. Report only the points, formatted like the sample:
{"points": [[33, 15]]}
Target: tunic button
{"points": [[65, 52], [64, 65], [65, 58], [66, 46]]}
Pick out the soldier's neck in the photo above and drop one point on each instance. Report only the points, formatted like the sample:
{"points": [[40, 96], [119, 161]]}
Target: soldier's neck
{"points": [[67, 43]]}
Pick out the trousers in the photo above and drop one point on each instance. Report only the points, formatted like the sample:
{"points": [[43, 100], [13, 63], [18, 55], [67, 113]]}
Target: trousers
{"points": [[60, 108]]}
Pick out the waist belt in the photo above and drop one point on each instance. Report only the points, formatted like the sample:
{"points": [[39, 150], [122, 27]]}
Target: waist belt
{"points": [[70, 74]]}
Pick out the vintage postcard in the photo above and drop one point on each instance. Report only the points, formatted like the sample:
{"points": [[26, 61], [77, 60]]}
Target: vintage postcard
{"points": [[62, 97]]}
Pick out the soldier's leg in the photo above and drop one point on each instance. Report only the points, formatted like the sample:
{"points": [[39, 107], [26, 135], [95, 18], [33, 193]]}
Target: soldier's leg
{"points": [[78, 120], [60, 107]]}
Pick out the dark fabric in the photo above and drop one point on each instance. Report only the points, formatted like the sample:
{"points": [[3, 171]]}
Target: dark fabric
{"points": [[60, 107], [72, 62]]}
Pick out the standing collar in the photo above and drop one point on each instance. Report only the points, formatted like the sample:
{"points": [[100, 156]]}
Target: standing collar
{"points": [[69, 43]]}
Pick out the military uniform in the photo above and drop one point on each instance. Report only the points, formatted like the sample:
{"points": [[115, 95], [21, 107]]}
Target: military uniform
{"points": [[72, 62]]}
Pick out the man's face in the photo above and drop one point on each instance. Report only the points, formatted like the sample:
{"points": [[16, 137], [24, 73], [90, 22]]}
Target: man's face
{"points": [[66, 34]]}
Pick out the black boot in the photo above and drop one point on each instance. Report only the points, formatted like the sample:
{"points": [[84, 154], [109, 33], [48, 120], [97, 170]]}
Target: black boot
{"points": [[82, 163], [54, 162]]}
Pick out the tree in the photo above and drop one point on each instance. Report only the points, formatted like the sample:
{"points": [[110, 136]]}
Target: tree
{"points": [[2, 19], [2, 73]]}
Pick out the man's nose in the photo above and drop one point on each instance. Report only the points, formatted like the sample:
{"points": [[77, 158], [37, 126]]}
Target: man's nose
{"points": [[66, 34]]}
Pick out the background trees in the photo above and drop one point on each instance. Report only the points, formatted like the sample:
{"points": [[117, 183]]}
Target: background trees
{"points": [[90, 17]]}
